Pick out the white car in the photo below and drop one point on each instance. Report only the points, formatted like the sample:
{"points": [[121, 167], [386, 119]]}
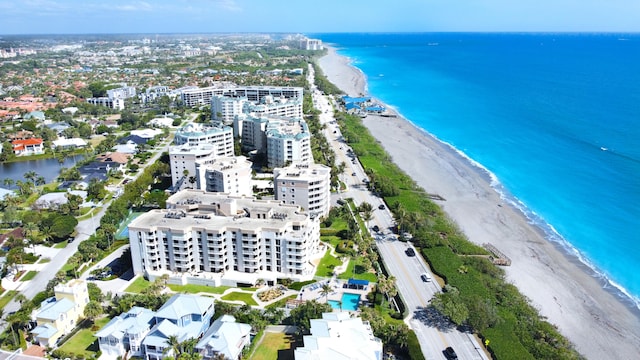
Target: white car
{"points": [[425, 277]]}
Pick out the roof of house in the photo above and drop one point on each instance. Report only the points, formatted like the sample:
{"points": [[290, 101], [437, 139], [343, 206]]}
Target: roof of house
{"points": [[69, 142], [17, 233], [225, 336], [118, 157], [133, 138], [134, 321], [337, 336], [184, 304], [52, 310], [44, 331], [26, 142]]}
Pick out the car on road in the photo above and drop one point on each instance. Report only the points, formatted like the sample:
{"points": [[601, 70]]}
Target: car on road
{"points": [[353, 174], [381, 207], [449, 353], [410, 252], [376, 228], [425, 277]]}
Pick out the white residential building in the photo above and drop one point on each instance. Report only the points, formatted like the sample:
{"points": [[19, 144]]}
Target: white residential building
{"points": [[195, 134], [182, 161], [115, 103], [338, 336], [124, 92], [202, 96], [288, 141], [195, 142], [216, 239], [125, 332], [224, 109], [306, 185], [229, 175], [276, 107], [311, 44]]}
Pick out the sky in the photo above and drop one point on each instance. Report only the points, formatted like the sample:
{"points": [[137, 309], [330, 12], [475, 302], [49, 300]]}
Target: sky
{"points": [[316, 16]]}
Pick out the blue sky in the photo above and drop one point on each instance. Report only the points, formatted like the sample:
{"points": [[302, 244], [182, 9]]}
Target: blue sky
{"points": [[311, 16]]}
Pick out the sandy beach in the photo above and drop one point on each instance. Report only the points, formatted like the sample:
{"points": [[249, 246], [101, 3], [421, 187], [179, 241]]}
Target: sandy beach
{"points": [[565, 291]]}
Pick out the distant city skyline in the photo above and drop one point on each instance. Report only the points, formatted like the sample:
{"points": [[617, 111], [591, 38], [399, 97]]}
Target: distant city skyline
{"points": [[212, 16]]}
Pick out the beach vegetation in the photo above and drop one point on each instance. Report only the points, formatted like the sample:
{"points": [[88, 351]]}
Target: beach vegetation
{"points": [[476, 294]]}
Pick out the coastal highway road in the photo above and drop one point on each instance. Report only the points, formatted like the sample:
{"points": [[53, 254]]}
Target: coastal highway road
{"points": [[434, 332]]}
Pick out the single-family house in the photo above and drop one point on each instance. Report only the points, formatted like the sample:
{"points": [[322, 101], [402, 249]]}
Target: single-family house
{"points": [[184, 316], [118, 157], [226, 337], [125, 332], [338, 336], [60, 314], [72, 143], [31, 146]]}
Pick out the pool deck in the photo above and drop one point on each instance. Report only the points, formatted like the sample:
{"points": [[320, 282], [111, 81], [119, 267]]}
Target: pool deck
{"points": [[314, 291]]}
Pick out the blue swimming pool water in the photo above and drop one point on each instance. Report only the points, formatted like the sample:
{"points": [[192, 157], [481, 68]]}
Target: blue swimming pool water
{"points": [[349, 302]]}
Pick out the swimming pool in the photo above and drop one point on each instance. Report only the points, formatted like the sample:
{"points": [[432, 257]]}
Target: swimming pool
{"points": [[349, 302]]}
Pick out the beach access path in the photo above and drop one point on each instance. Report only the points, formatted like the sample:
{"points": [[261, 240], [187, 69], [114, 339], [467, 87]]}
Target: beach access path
{"points": [[565, 291]]}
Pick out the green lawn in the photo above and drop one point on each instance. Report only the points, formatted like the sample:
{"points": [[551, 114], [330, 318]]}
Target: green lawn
{"points": [[272, 346], [194, 289], [4, 300], [83, 343], [137, 285], [327, 264], [240, 296], [60, 245], [356, 270], [28, 276]]}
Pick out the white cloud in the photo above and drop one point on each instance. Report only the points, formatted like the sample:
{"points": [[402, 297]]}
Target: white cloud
{"points": [[136, 6], [230, 5]]}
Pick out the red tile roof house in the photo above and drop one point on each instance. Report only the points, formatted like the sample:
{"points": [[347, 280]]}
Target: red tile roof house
{"points": [[28, 146]]}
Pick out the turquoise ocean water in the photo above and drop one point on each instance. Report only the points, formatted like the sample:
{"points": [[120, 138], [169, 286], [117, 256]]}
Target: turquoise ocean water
{"points": [[554, 119]]}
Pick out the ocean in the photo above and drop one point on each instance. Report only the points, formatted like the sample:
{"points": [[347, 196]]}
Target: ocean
{"points": [[554, 119]]}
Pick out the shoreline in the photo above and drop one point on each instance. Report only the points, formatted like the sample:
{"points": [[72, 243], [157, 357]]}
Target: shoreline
{"points": [[576, 298]]}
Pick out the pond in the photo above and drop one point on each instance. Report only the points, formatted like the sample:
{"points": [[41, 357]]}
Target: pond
{"points": [[48, 168]]}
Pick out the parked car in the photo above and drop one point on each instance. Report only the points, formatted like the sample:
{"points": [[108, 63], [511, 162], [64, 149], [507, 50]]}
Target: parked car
{"points": [[449, 353], [376, 228], [410, 252]]}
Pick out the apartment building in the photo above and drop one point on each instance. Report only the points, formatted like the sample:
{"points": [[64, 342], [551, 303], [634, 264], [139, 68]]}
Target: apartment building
{"points": [[202, 96], [288, 141], [112, 103], [218, 239], [230, 175], [224, 109], [305, 185], [197, 142]]}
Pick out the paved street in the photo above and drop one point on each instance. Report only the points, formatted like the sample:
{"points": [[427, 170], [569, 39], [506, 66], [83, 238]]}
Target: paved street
{"points": [[434, 332], [84, 229]]}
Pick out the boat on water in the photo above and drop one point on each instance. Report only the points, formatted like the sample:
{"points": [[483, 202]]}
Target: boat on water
{"points": [[433, 44]]}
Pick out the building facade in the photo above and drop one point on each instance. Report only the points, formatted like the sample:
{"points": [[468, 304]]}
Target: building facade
{"points": [[202, 96], [58, 315], [305, 185], [224, 109], [230, 175], [197, 142], [112, 103], [213, 238], [288, 141]]}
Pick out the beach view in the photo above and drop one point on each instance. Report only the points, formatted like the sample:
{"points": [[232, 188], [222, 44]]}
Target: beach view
{"points": [[229, 180]]}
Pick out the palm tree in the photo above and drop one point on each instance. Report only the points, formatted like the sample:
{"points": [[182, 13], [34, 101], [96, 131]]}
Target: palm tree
{"points": [[8, 182], [92, 310], [31, 176], [326, 290]]}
